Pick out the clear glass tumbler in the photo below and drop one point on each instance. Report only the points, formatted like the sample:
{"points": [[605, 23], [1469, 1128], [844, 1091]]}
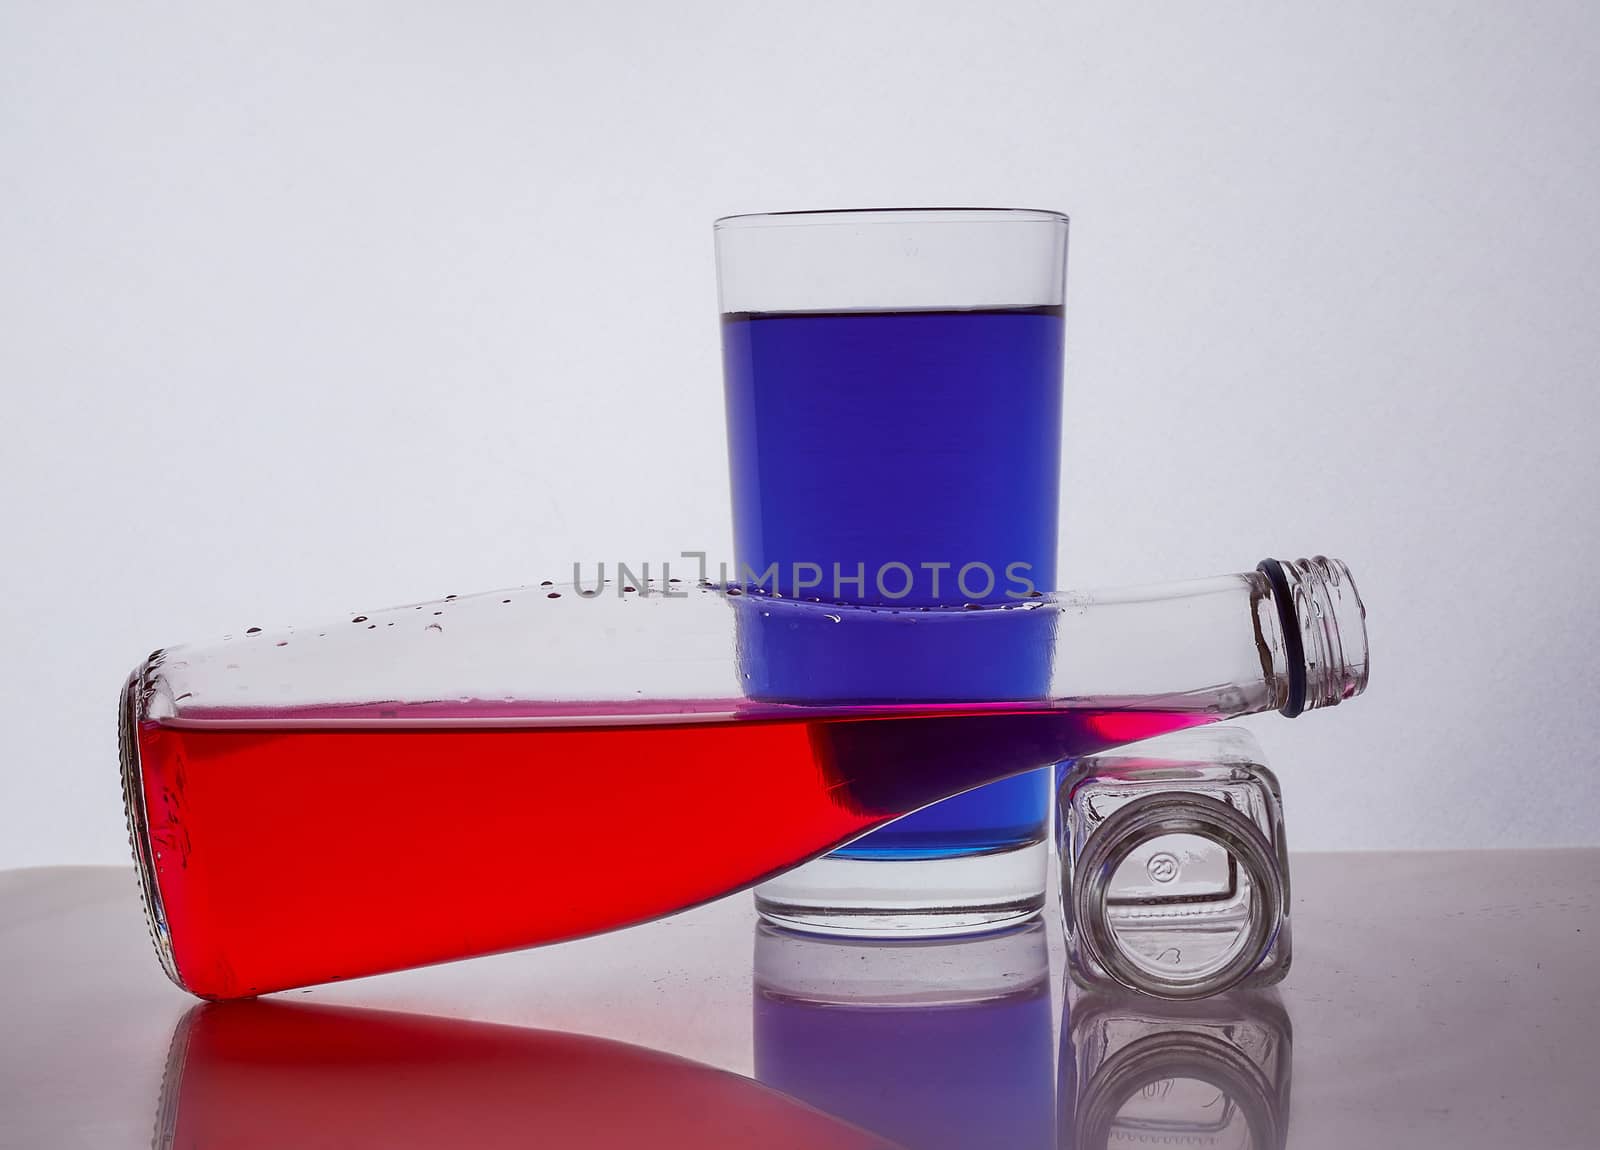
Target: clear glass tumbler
{"points": [[893, 387]]}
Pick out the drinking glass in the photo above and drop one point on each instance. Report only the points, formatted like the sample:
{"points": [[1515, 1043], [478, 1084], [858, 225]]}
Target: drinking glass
{"points": [[893, 388]]}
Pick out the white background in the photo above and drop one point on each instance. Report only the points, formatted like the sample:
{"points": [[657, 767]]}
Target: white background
{"points": [[311, 307]]}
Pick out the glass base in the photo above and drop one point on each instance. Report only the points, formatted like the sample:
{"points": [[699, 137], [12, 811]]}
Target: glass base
{"points": [[922, 898]]}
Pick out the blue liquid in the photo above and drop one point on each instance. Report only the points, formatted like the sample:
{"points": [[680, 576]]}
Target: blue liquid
{"points": [[945, 1076], [867, 439]]}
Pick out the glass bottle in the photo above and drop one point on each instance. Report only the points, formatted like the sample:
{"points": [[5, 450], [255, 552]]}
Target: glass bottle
{"points": [[487, 773], [1174, 866], [1213, 1073]]}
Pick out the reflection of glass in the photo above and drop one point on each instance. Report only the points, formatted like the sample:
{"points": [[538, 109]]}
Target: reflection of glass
{"points": [[1175, 875], [935, 1045], [272, 1075], [1135, 1072]]}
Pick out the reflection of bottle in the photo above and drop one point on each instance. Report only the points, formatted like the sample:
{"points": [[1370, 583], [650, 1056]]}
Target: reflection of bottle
{"points": [[1136, 1072], [272, 1075], [935, 1045], [459, 778]]}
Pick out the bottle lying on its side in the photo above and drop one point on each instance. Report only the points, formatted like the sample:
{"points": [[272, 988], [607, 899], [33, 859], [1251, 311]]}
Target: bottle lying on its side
{"points": [[491, 772]]}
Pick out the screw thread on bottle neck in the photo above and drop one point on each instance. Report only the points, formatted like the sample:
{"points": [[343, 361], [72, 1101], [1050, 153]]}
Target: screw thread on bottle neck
{"points": [[1324, 625], [1333, 630]]}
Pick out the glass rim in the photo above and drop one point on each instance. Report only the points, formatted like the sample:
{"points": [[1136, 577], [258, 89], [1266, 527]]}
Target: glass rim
{"points": [[834, 217]]}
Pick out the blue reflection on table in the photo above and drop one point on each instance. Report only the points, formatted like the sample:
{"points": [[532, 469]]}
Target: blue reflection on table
{"points": [[937, 1045]]}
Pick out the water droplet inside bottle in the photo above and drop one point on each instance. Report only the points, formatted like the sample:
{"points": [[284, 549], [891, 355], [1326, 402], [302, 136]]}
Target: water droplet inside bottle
{"points": [[433, 627], [359, 619], [252, 630], [553, 595], [447, 598], [505, 600], [547, 583], [833, 618], [285, 642]]}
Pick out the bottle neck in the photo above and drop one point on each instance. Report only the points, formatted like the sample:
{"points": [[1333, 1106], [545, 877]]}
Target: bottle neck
{"points": [[1289, 636]]}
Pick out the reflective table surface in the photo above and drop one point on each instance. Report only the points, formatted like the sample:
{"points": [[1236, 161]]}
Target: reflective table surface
{"points": [[1437, 1000]]}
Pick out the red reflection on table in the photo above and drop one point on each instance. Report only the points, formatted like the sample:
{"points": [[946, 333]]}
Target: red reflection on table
{"points": [[256, 1074]]}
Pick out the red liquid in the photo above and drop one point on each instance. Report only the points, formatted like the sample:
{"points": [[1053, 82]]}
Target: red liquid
{"points": [[288, 856], [259, 1075]]}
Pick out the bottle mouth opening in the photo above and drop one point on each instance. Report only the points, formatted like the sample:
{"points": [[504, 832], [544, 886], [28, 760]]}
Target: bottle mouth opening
{"points": [[1120, 916]]}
